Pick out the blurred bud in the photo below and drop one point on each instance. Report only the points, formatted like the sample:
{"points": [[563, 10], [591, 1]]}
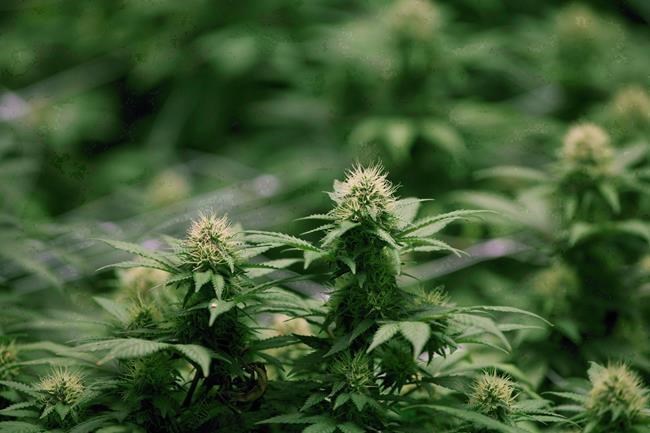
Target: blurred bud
{"points": [[211, 242], [587, 145], [577, 26], [631, 109], [8, 355], [61, 386], [617, 394], [366, 194], [493, 396], [284, 325], [415, 19], [584, 42], [644, 265], [555, 286], [168, 187], [135, 283]]}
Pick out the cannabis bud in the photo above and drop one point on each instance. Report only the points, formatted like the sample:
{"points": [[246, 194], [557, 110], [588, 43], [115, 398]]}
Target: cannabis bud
{"points": [[493, 396], [211, 242], [148, 374], [577, 27], [61, 386], [415, 19], [577, 22], [587, 145], [555, 285], [435, 298], [631, 108], [8, 354], [355, 370], [366, 195], [644, 265], [284, 325], [617, 393], [136, 282], [168, 187], [142, 315]]}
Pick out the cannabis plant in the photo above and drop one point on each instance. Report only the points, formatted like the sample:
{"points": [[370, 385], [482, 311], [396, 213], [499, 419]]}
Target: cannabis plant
{"points": [[185, 344], [614, 400], [178, 354], [367, 367], [587, 211]]}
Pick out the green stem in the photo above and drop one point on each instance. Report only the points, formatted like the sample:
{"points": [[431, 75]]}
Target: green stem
{"points": [[190, 392]]}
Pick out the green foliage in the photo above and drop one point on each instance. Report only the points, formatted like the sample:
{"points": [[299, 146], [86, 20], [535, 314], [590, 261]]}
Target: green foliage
{"points": [[131, 123], [181, 352]]}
